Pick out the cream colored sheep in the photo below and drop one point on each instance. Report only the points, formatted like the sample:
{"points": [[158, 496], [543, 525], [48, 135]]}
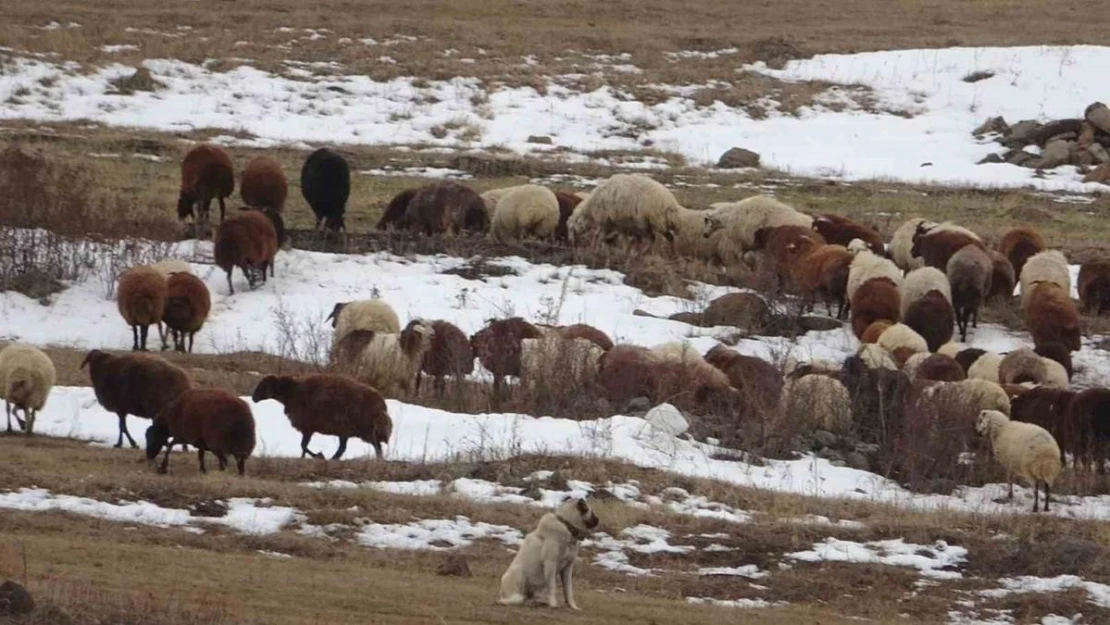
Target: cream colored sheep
{"points": [[689, 236], [985, 367], [876, 357], [912, 363], [492, 197], [919, 282], [525, 211], [951, 348], [1025, 365], [386, 361], [901, 244], [741, 220], [1047, 266], [867, 265], [166, 267], [1022, 448], [563, 361], [820, 401], [26, 377], [371, 314], [902, 337], [681, 351], [977, 394], [632, 206]]}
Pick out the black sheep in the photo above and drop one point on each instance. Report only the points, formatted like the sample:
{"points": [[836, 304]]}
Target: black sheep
{"points": [[326, 185]]}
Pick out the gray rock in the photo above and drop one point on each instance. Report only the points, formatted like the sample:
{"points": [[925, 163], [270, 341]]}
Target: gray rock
{"points": [[1099, 153], [667, 418], [818, 323], [838, 463], [541, 139], [994, 124], [822, 438], [991, 158], [1055, 154], [869, 449], [1064, 136], [639, 404], [1020, 157], [14, 599], [746, 311], [1098, 114], [738, 157], [857, 460], [1045, 133], [1099, 174], [1021, 133]]}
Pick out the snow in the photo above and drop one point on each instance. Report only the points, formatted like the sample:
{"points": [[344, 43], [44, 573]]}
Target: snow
{"points": [[734, 603], [435, 534], [748, 570], [932, 561], [918, 131], [1098, 594]]}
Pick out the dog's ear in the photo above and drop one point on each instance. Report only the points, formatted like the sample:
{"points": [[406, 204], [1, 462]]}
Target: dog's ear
{"points": [[583, 507]]}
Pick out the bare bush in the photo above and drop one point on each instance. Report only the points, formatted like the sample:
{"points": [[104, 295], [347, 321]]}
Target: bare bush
{"points": [[303, 338], [36, 262]]}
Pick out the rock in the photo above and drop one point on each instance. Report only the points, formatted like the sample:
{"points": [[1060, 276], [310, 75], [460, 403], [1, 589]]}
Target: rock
{"points": [[14, 599], [994, 124], [818, 323], [1086, 135], [991, 158], [674, 493], [541, 139], [1098, 114], [141, 80], [1080, 156], [1021, 134], [1045, 133], [857, 460], [454, 564], [492, 166], [738, 157], [643, 313], [691, 318], [838, 463], [1020, 157], [667, 418], [1099, 153], [1064, 136], [639, 404], [822, 438], [1099, 174], [1055, 154], [746, 311], [867, 449]]}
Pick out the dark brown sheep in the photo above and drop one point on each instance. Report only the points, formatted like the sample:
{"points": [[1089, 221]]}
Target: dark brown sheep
{"points": [[446, 207], [940, 368], [1048, 407], [134, 384], [629, 371], [206, 174], [450, 354], [933, 317], [329, 404], [823, 273], [187, 305], [969, 272], [840, 230], [210, 419], [754, 378], [1018, 244], [1057, 352], [875, 300], [279, 227], [967, 357], [1003, 278], [395, 210], [264, 184], [567, 203], [1051, 317], [937, 244], [1094, 286], [247, 241], [497, 347], [879, 399], [874, 331], [588, 332], [1089, 419], [141, 300]]}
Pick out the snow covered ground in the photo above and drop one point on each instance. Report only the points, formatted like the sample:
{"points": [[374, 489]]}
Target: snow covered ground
{"points": [[928, 141]]}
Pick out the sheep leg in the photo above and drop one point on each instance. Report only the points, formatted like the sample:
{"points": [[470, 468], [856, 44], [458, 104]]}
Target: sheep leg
{"points": [[221, 457], [223, 209], [30, 414], [1036, 494], [134, 338], [200, 458], [8, 410], [162, 336], [123, 432], [342, 448], [440, 384], [191, 335], [1046, 489], [975, 318], [304, 446], [241, 464], [166, 459], [229, 286], [143, 331], [378, 450]]}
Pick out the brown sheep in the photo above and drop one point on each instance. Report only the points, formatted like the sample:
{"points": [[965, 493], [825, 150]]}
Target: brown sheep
{"points": [[567, 203], [1089, 418], [875, 300], [450, 354], [1018, 244], [967, 357], [629, 371], [134, 384], [874, 331], [209, 419], [969, 272], [936, 244], [1094, 286], [1051, 317], [756, 379], [940, 368], [141, 300], [840, 230], [497, 347], [206, 174], [1048, 407], [785, 246], [933, 317], [1003, 278], [1057, 352], [247, 241], [332, 405], [395, 211], [823, 273], [264, 185], [445, 207], [588, 332], [187, 305]]}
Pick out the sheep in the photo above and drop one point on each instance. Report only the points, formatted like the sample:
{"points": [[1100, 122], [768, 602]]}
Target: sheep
{"points": [[1022, 448], [206, 174], [326, 185], [626, 205], [26, 377], [921, 281], [141, 300], [629, 371], [936, 245], [902, 341], [187, 305], [741, 220], [247, 241], [567, 203], [332, 405], [1088, 415], [1019, 244], [683, 352], [1057, 353], [933, 317], [876, 357], [387, 362], [446, 206], [985, 367], [395, 211], [1002, 278], [823, 272], [976, 395], [901, 244], [1047, 266], [951, 349], [375, 315], [820, 401], [448, 354], [934, 367], [785, 247], [588, 332], [876, 299], [1024, 365], [166, 267], [210, 419], [878, 398], [874, 331], [1049, 407], [497, 347], [263, 184], [754, 378], [969, 272], [560, 361], [867, 265], [1094, 286], [839, 230], [525, 211], [277, 221], [1051, 316], [134, 384]]}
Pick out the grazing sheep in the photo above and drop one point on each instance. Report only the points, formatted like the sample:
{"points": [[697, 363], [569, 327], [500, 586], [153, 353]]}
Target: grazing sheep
{"points": [[497, 347], [395, 210], [559, 361], [247, 241], [933, 317], [1022, 448], [1089, 418], [206, 174], [1024, 365], [26, 377], [984, 367], [876, 299], [1051, 316], [1019, 244], [134, 384], [141, 300], [210, 419], [567, 203], [936, 245], [839, 230], [1047, 266], [445, 207], [902, 341], [166, 267], [1049, 407], [684, 353], [951, 349], [876, 357], [1057, 353], [264, 185], [525, 211], [588, 332], [1002, 278], [754, 378], [1094, 286], [901, 244], [874, 331], [187, 306], [629, 371], [867, 265], [387, 362], [921, 281], [976, 395], [332, 405], [823, 272], [878, 398], [741, 220], [326, 185], [626, 205], [819, 401], [278, 223], [785, 248], [448, 354], [969, 273], [375, 315], [933, 367]]}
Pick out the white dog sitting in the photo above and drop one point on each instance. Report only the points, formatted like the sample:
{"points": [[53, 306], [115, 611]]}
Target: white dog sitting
{"points": [[549, 551]]}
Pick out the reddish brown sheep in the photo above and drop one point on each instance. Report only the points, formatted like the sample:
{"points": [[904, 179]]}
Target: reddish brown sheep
{"points": [[395, 210], [784, 247], [874, 331], [875, 300], [1089, 420], [1018, 244], [450, 354], [247, 241], [1094, 286], [933, 317], [588, 332], [629, 371], [209, 419], [840, 230], [134, 384], [937, 244], [755, 379], [497, 347], [141, 300], [567, 203], [206, 174], [824, 273], [187, 306], [1051, 317], [264, 184], [329, 404], [1003, 278], [445, 207], [940, 368]]}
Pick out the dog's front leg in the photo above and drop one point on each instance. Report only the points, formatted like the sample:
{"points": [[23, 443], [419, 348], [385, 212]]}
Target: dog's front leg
{"points": [[550, 569], [568, 588]]}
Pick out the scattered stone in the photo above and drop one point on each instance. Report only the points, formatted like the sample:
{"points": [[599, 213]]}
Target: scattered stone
{"points": [[603, 494], [492, 166], [691, 318], [667, 418], [867, 449], [1100, 174], [991, 158], [1064, 136], [141, 80], [1044, 135], [541, 139], [838, 463], [818, 323], [1098, 114], [857, 460], [994, 124], [643, 313], [639, 404], [1020, 157], [736, 158], [1099, 153], [532, 491], [1054, 155], [822, 438], [454, 564], [746, 311], [674, 493], [980, 75], [1021, 133], [14, 599]]}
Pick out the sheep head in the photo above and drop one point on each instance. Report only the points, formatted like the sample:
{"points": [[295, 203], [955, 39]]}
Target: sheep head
{"points": [[416, 337], [185, 203], [93, 357], [713, 223], [923, 228], [989, 422], [157, 436], [334, 316], [272, 387]]}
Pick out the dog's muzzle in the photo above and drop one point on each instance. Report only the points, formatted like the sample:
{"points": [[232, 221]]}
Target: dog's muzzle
{"points": [[591, 521]]}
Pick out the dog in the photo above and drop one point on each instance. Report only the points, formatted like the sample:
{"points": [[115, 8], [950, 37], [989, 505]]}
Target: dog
{"points": [[549, 551]]}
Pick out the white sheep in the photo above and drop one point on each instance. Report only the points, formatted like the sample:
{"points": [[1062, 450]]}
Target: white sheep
{"points": [[951, 348], [1026, 449], [371, 314], [389, 362], [912, 363], [1025, 365], [572, 361], [867, 265], [820, 401], [901, 244], [919, 282], [876, 357], [985, 367], [976, 394], [492, 197], [166, 267], [1047, 266], [26, 377], [626, 205], [527, 210], [689, 235], [902, 337], [741, 220]]}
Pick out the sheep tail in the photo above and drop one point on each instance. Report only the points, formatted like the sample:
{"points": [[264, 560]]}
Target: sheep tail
{"points": [[1044, 466], [241, 434], [383, 429]]}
